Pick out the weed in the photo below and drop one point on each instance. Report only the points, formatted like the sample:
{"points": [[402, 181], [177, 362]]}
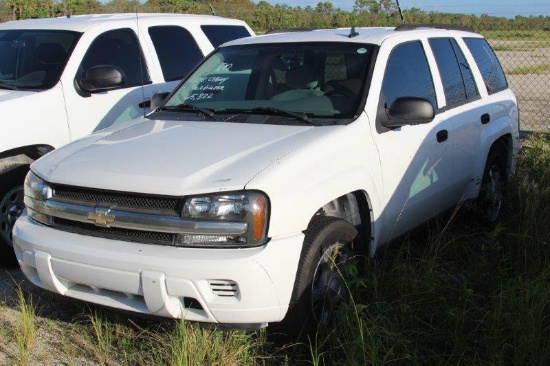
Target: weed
{"points": [[25, 327]]}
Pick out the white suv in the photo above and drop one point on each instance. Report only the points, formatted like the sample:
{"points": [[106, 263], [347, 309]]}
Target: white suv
{"points": [[63, 78], [238, 200]]}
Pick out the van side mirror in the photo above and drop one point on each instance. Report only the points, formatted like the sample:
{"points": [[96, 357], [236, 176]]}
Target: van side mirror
{"points": [[409, 111], [101, 78], [157, 99]]}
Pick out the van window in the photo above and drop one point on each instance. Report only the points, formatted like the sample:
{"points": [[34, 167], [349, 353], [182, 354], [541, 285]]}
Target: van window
{"points": [[176, 49], [218, 34], [118, 48]]}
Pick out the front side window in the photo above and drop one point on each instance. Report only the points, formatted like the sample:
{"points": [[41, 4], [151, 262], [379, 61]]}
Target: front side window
{"points": [[118, 48], [407, 75], [488, 64], [34, 59], [318, 80], [175, 61]]}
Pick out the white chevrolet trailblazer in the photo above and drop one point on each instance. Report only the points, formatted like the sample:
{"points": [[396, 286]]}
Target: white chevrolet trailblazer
{"points": [[63, 78], [238, 200]]}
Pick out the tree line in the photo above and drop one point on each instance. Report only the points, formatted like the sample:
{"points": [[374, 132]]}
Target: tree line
{"points": [[264, 16]]}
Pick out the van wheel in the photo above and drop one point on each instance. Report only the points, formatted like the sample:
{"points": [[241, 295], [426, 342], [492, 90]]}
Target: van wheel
{"points": [[320, 285], [11, 207], [491, 194]]}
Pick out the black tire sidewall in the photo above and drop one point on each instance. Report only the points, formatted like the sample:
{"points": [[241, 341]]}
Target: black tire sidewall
{"points": [[9, 180], [299, 319], [495, 158]]}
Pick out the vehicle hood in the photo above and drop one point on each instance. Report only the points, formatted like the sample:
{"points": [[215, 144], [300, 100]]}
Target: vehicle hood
{"points": [[174, 157]]}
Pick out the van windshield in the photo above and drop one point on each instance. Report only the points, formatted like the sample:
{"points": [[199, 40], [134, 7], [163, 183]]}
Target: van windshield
{"points": [[34, 59], [314, 80]]}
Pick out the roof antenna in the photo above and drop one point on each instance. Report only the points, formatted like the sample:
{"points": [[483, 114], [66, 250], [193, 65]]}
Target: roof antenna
{"points": [[212, 9], [353, 33], [400, 12], [67, 13]]}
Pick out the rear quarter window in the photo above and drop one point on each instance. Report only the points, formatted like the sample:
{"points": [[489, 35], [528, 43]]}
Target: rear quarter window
{"points": [[488, 64], [219, 34]]}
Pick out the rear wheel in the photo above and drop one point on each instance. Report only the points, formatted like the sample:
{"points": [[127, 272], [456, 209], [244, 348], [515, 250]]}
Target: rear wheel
{"points": [[320, 286], [11, 207], [491, 195]]}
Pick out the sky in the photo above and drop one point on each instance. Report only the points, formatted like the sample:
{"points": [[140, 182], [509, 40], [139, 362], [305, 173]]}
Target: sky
{"points": [[502, 8]]}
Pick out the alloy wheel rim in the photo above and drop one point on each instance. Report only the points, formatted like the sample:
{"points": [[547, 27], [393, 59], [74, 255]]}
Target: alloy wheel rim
{"points": [[328, 288]]}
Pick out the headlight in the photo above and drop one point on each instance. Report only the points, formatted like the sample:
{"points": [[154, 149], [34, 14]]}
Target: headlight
{"points": [[36, 187], [36, 191], [249, 207]]}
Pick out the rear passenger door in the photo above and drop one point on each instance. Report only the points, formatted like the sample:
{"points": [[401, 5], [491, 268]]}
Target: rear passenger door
{"points": [[461, 113]]}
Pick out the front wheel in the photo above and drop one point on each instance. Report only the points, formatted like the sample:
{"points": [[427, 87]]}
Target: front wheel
{"points": [[11, 207], [320, 285]]}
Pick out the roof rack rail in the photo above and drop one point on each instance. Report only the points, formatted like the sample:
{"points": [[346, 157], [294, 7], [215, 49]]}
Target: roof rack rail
{"points": [[407, 27], [289, 30]]}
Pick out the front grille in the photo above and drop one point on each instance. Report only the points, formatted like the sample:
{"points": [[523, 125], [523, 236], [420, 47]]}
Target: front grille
{"points": [[147, 237], [132, 201]]}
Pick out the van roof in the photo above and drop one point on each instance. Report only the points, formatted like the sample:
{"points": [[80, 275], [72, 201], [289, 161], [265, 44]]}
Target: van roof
{"points": [[81, 23]]}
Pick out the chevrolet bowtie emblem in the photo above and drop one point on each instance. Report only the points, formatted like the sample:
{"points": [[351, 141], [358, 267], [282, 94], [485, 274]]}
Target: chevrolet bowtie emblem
{"points": [[101, 217]]}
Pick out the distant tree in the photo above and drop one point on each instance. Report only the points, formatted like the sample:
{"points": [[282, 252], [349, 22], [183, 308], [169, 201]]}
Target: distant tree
{"points": [[122, 6]]}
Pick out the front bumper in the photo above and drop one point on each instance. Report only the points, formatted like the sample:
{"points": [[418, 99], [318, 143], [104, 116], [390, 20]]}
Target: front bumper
{"points": [[227, 286]]}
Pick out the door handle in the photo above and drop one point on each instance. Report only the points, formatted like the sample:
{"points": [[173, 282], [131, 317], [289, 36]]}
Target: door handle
{"points": [[485, 118], [442, 135]]}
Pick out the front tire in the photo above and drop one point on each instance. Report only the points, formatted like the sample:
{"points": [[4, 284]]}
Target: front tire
{"points": [[11, 207], [320, 285]]}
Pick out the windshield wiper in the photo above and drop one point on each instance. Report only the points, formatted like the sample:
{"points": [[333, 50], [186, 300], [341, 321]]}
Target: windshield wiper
{"points": [[189, 107], [272, 111]]}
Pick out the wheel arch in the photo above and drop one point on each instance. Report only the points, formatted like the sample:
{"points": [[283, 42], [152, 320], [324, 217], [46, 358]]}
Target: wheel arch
{"points": [[23, 155], [354, 207]]}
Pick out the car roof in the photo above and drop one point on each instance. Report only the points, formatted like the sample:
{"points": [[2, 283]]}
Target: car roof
{"points": [[81, 23], [371, 35]]}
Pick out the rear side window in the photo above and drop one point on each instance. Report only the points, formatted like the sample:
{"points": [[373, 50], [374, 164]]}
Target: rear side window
{"points": [[454, 71], [408, 75], [119, 48], [488, 64], [176, 49], [218, 34]]}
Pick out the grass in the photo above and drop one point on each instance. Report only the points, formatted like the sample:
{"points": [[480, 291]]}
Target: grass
{"points": [[457, 292], [24, 331], [531, 69]]}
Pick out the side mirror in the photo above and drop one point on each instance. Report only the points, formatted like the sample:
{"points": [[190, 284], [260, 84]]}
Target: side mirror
{"points": [[157, 99], [101, 78], [409, 111]]}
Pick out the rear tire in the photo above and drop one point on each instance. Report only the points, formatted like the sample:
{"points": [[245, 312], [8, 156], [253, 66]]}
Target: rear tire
{"points": [[11, 207], [491, 195], [320, 285]]}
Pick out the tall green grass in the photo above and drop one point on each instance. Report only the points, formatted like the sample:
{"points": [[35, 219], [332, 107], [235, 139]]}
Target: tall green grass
{"points": [[459, 292]]}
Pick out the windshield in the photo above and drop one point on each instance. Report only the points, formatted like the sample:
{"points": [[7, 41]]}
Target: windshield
{"points": [[299, 81], [34, 59]]}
